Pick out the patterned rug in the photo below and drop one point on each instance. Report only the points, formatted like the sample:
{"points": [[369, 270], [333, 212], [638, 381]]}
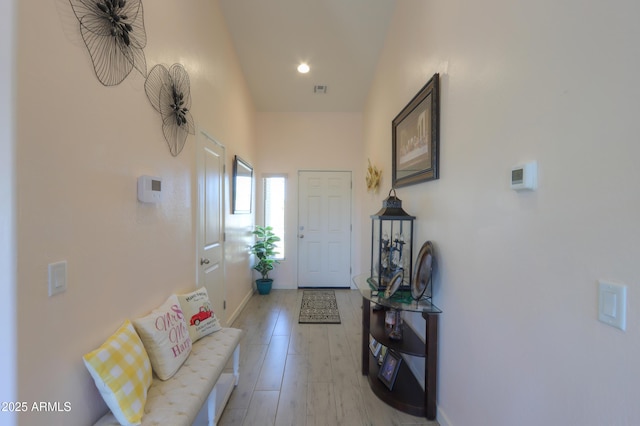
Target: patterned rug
{"points": [[319, 307]]}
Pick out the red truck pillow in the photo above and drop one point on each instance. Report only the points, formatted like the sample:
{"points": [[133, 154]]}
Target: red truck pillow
{"points": [[198, 314]]}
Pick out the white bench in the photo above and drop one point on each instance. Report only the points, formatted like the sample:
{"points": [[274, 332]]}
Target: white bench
{"points": [[199, 390]]}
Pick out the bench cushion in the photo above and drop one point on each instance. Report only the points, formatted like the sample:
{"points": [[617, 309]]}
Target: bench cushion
{"points": [[178, 400]]}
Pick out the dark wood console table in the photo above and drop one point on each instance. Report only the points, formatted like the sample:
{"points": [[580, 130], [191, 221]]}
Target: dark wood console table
{"points": [[407, 394]]}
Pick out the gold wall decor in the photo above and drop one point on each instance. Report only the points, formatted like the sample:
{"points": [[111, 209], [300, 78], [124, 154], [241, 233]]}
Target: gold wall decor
{"points": [[373, 177]]}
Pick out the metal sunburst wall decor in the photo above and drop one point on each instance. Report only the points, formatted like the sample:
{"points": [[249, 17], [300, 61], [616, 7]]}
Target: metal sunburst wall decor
{"points": [[168, 91], [113, 31], [373, 177]]}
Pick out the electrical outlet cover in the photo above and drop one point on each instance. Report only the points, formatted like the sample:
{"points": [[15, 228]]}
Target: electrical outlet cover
{"points": [[612, 304]]}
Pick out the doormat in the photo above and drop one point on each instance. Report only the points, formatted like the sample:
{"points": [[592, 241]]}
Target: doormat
{"points": [[319, 307]]}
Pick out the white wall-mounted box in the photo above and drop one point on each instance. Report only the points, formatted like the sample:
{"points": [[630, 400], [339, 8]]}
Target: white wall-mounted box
{"points": [[525, 176], [149, 189]]}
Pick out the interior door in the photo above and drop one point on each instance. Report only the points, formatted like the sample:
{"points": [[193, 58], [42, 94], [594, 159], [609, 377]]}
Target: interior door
{"points": [[324, 229], [210, 221]]}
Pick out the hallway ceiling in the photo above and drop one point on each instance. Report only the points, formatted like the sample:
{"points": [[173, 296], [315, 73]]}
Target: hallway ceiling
{"points": [[339, 39]]}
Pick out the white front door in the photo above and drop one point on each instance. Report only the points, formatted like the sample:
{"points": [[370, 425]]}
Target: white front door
{"points": [[324, 229], [210, 221]]}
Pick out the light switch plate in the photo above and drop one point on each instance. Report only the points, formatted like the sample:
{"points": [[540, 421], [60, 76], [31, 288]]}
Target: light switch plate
{"points": [[57, 277], [612, 304]]}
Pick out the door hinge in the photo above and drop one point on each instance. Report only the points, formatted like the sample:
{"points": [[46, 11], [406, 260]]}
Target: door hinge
{"points": [[224, 305], [224, 237]]}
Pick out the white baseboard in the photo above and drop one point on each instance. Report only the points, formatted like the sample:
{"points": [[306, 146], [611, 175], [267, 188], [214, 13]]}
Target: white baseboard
{"points": [[237, 312], [442, 418]]}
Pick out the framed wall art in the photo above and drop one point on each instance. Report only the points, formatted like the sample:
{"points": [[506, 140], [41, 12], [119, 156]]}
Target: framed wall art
{"points": [[242, 186], [416, 137]]}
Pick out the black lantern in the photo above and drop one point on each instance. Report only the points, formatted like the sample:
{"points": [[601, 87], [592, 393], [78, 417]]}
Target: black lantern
{"points": [[391, 246]]}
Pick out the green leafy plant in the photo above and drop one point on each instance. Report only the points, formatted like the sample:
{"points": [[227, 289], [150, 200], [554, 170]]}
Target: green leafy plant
{"points": [[264, 250]]}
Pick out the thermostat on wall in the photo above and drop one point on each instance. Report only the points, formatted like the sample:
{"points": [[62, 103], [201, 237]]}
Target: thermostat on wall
{"points": [[149, 189], [524, 176]]}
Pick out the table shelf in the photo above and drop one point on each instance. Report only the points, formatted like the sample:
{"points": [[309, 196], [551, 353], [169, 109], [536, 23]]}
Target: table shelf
{"points": [[407, 394]]}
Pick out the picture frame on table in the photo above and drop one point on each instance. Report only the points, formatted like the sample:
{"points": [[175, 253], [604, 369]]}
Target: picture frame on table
{"points": [[416, 138], [383, 353], [389, 369], [374, 346]]}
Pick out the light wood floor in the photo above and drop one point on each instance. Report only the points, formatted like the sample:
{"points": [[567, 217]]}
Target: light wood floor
{"points": [[304, 374]]}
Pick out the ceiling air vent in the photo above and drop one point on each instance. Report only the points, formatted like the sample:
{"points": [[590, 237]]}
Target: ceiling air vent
{"points": [[319, 88]]}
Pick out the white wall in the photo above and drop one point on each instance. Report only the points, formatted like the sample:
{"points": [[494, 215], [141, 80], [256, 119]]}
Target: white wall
{"points": [[8, 356], [555, 82], [81, 147], [290, 142]]}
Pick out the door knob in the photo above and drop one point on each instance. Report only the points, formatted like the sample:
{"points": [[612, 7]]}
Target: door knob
{"points": [[301, 235], [204, 261]]}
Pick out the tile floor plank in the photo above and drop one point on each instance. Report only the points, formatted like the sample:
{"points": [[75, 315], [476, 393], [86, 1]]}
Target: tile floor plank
{"points": [[270, 377], [299, 343], [295, 370], [251, 359], [319, 355], [349, 405], [262, 409], [232, 417], [321, 406], [292, 406]]}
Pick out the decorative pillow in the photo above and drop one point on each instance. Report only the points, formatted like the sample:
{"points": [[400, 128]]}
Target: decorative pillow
{"points": [[165, 337], [200, 318], [122, 372]]}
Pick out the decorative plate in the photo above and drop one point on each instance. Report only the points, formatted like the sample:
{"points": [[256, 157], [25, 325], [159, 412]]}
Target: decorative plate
{"points": [[394, 284], [424, 268]]}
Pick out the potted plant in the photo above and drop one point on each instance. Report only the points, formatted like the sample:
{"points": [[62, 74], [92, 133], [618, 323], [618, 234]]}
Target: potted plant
{"points": [[264, 250]]}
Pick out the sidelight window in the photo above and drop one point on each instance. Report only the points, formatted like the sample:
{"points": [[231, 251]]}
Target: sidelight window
{"points": [[274, 198]]}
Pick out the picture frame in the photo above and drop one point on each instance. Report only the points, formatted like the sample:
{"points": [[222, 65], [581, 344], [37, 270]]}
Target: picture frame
{"points": [[389, 369], [374, 346], [383, 353], [416, 138], [242, 186]]}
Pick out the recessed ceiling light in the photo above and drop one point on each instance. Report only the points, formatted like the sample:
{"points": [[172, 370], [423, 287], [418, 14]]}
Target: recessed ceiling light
{"points": [[303, 68]]}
